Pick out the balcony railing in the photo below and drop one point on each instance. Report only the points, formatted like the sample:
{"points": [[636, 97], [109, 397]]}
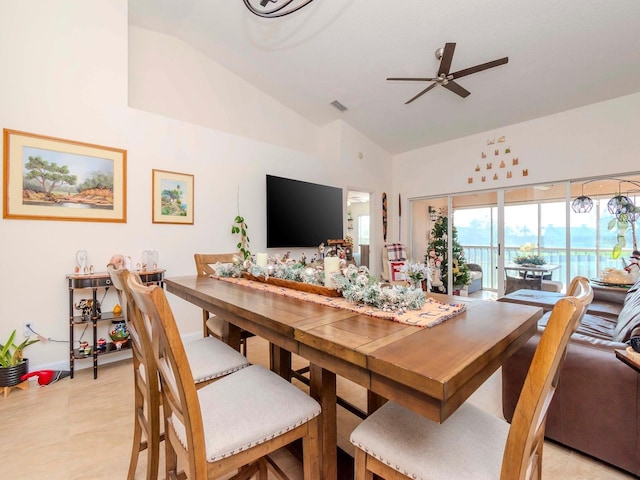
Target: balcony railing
{"points": [[587, 262]]}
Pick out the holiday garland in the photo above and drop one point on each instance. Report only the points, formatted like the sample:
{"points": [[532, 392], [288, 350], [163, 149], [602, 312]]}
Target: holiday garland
{"points": [[354, 283]]}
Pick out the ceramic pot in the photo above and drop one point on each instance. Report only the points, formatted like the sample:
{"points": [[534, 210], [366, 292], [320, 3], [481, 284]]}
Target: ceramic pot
{"points": [[10, 376]]}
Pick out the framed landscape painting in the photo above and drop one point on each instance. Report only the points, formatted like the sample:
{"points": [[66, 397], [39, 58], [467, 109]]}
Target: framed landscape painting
{"points": [[48, 178], [172, 197]]}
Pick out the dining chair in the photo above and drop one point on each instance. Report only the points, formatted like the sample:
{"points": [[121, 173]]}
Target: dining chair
{"points": [[231, 424], [396, 443], [208, 357], [211, 324], [513, 284]]}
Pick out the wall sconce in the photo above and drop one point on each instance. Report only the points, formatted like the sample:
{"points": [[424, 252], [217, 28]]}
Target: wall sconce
{"points": [[433, 215]]}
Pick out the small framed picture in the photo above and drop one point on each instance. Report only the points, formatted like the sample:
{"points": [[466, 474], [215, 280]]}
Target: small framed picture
{"points": [[48, 178], [172, 200]]}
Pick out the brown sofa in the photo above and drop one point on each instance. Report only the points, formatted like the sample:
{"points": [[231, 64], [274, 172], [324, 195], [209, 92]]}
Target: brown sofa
{"points": [[596, 407]]}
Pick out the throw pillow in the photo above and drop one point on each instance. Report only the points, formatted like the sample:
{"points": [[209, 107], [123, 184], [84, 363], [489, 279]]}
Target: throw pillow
{"points": [[629, 317]]}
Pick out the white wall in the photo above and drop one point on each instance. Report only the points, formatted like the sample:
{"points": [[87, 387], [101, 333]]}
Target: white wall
{"points": [[600, 139], [65, 67]]}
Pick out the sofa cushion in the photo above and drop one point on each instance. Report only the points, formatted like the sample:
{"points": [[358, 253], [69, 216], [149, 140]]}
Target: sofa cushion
{"points": [[590, 326], [629, 317]]}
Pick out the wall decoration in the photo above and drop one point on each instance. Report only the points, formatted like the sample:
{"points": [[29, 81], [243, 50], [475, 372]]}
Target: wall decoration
{"points": [[502, 164], [172, 197], [48, 178], [384, 216]]}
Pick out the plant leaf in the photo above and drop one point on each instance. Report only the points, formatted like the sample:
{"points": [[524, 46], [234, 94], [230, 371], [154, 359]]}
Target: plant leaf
{"points": [[617, 251]]}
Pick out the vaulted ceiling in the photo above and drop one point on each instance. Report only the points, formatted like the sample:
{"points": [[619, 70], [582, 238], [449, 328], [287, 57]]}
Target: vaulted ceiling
{"points": [[562, 55]]}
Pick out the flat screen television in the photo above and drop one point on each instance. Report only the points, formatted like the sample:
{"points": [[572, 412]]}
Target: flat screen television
{"points": [[302, 214]]}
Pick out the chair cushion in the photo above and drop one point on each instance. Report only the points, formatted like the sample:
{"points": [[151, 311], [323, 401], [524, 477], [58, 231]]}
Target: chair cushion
{"points": [[212, 358], [215, 325], [629, 316], [468, 445], [248, 408]]}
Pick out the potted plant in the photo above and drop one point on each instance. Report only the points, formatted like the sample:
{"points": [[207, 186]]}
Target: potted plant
{"points": [[12, 363], [528, 257]]}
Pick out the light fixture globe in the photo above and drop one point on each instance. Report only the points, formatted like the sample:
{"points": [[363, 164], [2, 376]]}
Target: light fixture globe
{"points": [[621, 205], [582, 204]]}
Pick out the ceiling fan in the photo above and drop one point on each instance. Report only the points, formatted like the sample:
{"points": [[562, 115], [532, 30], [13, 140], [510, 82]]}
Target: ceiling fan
{"points": [[446, 79]]}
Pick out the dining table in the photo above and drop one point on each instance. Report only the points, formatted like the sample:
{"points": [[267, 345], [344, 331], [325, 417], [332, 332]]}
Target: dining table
{"points": [[431, 370]]}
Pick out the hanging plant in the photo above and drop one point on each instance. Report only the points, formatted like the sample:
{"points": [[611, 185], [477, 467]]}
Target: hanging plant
{"points": [[240, 227]]}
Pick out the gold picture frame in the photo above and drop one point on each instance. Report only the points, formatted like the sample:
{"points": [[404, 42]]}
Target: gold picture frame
{"points": [[48, 178], [172, 197]]}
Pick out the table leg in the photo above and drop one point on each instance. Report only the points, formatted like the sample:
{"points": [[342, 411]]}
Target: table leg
{"points": [[323, 389], [374, 402], [280, 361], [231, 335]]}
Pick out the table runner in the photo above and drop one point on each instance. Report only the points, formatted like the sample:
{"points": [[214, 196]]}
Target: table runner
{"points": [[431, 314]]}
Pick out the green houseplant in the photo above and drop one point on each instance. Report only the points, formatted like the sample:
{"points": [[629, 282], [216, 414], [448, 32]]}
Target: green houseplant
{"points": [[12, 362]]}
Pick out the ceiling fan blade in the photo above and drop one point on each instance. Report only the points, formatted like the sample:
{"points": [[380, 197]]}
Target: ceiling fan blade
{"points": [[456, 88], [415, 79], [421, 93], [447, 57], [479, 68]]}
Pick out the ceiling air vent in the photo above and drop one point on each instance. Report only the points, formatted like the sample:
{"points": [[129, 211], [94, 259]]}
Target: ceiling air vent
{"points": [[338, 105]]}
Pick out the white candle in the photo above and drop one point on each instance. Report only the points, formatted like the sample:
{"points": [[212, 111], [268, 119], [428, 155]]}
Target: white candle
{"points": [[331, 264], [261, 259]]}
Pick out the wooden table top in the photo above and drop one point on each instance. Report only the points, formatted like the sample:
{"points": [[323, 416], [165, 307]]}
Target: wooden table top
{"points": [[633, 362], [431, 370]]}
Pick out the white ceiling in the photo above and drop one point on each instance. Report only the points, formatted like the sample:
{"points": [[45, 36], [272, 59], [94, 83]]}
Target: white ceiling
{"points": [[562, 55]]}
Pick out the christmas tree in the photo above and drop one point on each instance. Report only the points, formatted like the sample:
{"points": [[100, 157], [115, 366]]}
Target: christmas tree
{"points": [[460, 270]]}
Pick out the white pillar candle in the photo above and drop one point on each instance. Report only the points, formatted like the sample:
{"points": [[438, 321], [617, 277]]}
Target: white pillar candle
{"points": [[331, 264], [261, 259]]}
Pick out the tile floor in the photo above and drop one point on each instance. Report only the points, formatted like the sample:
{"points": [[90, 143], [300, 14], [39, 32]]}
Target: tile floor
{"points": [[81, 429]]}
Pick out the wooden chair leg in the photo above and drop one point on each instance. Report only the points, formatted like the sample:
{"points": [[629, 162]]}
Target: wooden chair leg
{"points": [[361, 472], [310, 444], [136, 445]]}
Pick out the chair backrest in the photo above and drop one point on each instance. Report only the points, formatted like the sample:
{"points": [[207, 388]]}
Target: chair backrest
{"points": [[205, 260], [526, 435], [141, 343], [179, 395], [513, 284], [579, 286]]}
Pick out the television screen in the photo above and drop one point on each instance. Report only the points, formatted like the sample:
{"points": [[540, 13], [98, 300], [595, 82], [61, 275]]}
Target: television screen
{"points": [[302, 214]]}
